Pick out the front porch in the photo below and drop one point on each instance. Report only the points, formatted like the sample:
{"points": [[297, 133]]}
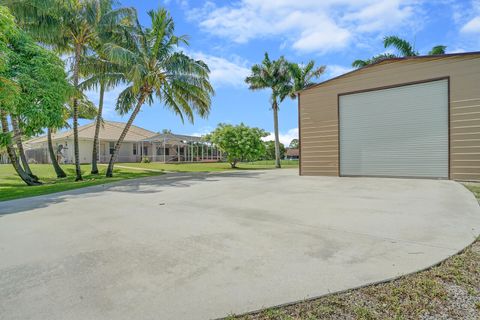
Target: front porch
{"points": [[167, 148]]}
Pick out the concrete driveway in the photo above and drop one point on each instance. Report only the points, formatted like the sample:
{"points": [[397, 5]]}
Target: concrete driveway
{"points": [[199, 246]]}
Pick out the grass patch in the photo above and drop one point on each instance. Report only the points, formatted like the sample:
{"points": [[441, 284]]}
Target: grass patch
{"points": [[12, 187], [450, 290], [211, 166]]}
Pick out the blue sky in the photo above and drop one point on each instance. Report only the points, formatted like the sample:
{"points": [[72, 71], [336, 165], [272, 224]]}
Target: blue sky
{"points": [[231, 36]]}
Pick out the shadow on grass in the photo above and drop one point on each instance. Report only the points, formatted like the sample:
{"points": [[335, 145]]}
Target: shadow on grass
{"points": [[144, 185]]}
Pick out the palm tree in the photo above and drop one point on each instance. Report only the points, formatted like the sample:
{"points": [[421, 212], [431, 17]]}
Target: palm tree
{"points": [[17, 138], [437, 50], [404, 48], [273, 75], [11, 152], [86, 110], [102, 75], [156, 69], [303, 75], [70, 26], [362, 63]]}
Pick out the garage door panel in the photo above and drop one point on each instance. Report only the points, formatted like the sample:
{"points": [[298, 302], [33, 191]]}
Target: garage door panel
{"points": [[395, 132]]}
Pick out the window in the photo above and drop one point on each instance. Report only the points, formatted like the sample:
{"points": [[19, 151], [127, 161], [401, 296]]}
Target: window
{"points": [[111, 146], [134, 149], [145, 150], [160, 151]]}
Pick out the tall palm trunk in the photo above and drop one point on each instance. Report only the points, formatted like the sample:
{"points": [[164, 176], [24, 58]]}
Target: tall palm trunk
{"points": [[277, 139], [76, 63], [58, 170], [97, 129], [17, 138], [13, 157], [124, 133]]}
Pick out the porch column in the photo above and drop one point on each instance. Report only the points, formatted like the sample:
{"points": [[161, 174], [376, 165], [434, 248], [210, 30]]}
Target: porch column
{"points": [[154, 151], [164, 152], [178, 153]]}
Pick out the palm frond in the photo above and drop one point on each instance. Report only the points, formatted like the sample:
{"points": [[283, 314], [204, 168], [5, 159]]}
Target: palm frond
{"points": [[437, 50], [402, 46]]}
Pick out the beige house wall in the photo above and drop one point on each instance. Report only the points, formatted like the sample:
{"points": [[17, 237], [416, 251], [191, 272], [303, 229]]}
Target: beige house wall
{"points": [[318, 110]]}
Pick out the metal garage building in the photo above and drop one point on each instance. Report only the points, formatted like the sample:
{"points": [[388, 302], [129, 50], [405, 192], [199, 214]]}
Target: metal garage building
{"points": [[402, 117]]}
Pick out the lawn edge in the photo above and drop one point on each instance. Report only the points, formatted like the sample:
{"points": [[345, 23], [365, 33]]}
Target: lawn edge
{"points": [[105, 182]]}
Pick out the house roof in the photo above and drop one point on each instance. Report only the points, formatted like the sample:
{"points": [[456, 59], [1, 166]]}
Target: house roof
{"points": [[394, 60], [173, 138], [109, 131], [292, 152]]}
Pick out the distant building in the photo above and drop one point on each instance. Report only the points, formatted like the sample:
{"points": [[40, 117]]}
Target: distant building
{"points": [[292, 154], [138, 144]]}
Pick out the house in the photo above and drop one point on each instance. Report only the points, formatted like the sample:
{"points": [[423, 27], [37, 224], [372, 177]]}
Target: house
{"points": [[291, 154], [138, 144], [401, 117]]}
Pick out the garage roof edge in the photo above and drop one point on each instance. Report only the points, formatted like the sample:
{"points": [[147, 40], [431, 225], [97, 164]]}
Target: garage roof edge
{"points": [[390, 60]]}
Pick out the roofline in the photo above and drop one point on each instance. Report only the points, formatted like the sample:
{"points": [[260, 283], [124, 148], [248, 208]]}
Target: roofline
{"points": [[472, 53]]}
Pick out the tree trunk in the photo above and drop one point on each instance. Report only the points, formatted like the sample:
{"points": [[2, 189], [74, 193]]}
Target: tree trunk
{"points": [[76, 63], [124, 133], [58, 170], [17, 138], [13, 157], [97, 129], [277, 139]]}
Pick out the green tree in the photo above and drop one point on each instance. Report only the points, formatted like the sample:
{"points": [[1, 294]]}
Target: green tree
{"points": [[270, 150], [294, 144], [156, 69], [403, 47], [362, 63], [273, 75], [41, 90], [303, 76], [86, 110], [71, 27], [103, 75], [240, 143], [437, 50]]}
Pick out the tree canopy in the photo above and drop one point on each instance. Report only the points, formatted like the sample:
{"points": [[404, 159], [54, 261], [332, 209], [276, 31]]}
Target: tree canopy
{"points": [[270, 150], [158, 70], [294, 144], [240, 142], [34, 90], [403, 48]]}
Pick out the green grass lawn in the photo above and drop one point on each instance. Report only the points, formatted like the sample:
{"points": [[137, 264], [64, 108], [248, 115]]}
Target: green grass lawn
{"points": [[209, 167], [12, 187]]}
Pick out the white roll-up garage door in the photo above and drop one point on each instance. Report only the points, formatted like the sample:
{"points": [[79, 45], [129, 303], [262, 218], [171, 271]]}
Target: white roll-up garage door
{"points": [[398, 132]]}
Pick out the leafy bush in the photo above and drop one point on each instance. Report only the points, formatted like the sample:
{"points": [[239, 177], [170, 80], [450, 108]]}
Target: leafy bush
{"points": [[240, 142]]}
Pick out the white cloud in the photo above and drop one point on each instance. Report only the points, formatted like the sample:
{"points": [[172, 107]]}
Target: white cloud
{"points": [[335, 70], [306, 25], [285, 137], [203, 131], [224, 72], [472, 26]]}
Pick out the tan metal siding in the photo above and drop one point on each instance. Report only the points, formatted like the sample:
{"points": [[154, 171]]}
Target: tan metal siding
{"points": [[319, 111]]}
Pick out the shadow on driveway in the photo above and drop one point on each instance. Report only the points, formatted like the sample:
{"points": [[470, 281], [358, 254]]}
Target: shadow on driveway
{"points": [[141, 186]]}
